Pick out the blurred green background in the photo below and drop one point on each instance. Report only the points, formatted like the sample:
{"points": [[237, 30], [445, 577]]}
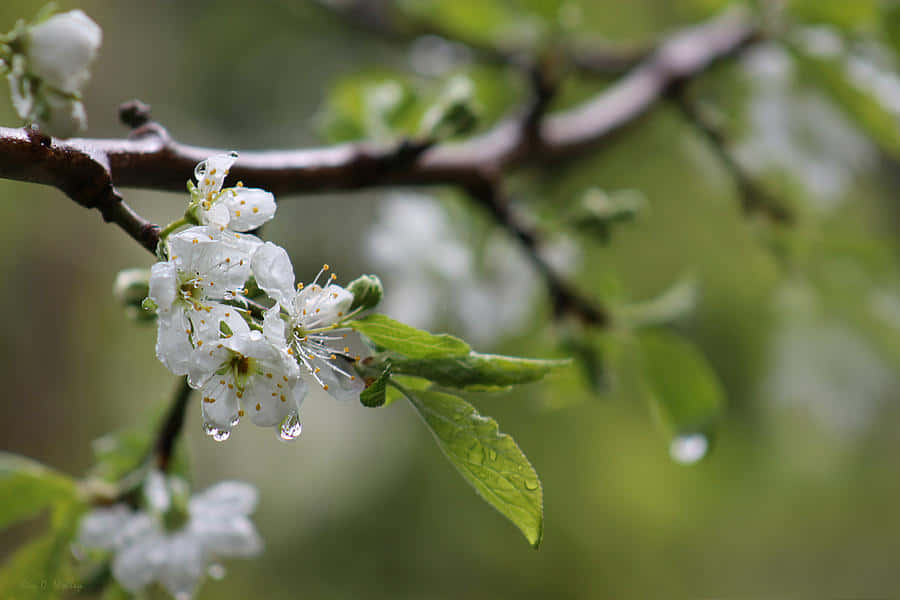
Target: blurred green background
{"points": [[799, 495]]}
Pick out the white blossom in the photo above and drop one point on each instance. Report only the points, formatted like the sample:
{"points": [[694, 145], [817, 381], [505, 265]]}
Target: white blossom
{"points": [[149, 546], [311, 323], [189, 288], [61, 49], [49, 69], [235, 208], [246, 368]]}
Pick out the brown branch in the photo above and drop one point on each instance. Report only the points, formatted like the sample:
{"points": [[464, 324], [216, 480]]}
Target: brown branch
{"points": [[151, 159], [80, 171], [170, 428], [85, 169], [754, 198], [566, 299]]}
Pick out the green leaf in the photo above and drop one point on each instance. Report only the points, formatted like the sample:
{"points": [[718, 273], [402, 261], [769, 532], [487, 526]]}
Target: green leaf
{"points": [[848, 16], [675, 302], [378, 106], [389, 334], [866, 111], [374, 394], [476, 371], [28, 487], [687, 394], [489, 460], [890, 24], [41, 570]]}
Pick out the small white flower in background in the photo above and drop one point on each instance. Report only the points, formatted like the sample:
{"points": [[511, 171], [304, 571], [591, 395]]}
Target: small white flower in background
{"points": [[48, 67], [174, 538], [188, 289], [235, 208], [312, 315]]}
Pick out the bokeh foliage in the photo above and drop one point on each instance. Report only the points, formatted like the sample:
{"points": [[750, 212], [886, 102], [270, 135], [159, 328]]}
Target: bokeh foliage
{"points": [[800, 325]]}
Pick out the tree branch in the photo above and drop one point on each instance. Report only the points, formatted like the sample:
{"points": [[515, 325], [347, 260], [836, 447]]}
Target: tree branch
{"points": [[566, 299], [150, 159], [85, 169], [754, 198], [170, 429]]}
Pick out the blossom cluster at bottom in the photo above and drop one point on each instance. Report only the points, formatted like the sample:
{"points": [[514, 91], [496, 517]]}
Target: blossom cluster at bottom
{"points": [[173, 539]]}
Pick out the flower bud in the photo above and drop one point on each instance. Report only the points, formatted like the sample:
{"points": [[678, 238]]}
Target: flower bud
{"points": [[60, 50], [367, 292], [131, 288]]}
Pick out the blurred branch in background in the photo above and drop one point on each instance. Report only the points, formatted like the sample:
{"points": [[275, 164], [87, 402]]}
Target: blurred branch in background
{"points": [[380, 18], [88, 169], [754, 198]]}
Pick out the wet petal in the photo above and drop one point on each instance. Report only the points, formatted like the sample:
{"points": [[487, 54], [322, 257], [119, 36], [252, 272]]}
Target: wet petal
{"points": [[210, 173], [274, 273], [249, 207]]}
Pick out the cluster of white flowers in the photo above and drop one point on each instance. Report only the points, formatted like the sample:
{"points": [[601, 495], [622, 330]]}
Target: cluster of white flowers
{"points": [[173, 538], [47, 67], [245, 355]]}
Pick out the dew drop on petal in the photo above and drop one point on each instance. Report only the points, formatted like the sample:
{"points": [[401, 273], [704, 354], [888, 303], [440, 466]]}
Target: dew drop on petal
{"points": [[216, 571], [689, 448], [235, 420], [291, 427], [220, 435]]}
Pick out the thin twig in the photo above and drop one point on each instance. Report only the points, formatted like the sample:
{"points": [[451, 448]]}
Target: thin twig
{"points": [[754, 199], [167, 436]]}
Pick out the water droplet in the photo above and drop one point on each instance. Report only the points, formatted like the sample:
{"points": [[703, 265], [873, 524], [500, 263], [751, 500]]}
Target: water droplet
{"points": [[492, 454], [689, 448], [220, 435], [235, 420], [532, 484], [475, 455], [216, 571], [291, 427]]}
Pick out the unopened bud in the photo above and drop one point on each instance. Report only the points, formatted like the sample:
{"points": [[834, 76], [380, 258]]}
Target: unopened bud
{"points": [[131, 288], [367, 292]]}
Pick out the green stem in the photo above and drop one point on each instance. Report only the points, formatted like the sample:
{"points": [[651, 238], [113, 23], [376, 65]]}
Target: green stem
{"points": [[168, 229]]}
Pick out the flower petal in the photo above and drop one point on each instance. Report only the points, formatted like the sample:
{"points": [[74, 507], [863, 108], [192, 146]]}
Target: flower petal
{"points": [[249, 207], [225, 498], [227, 535], [185, 565], [60, 50], [339, 377], [163, 284], [274, 273], [274, 326], [211, 173], [139, 563], [100, 527], [319, 307], [173, 345], [220, 405]]}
